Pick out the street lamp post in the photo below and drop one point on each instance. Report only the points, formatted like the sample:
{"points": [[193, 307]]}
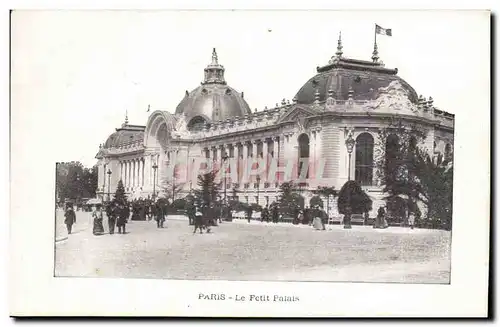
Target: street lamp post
{"points": [[155, 166], [349, 143], [109, 184]]}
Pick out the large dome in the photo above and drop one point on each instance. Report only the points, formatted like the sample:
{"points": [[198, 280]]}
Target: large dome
{"points": [[341, 75], [214, 100]]}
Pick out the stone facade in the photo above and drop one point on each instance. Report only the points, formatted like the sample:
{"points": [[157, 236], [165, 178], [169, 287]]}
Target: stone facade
{"points": [[353, 102]]}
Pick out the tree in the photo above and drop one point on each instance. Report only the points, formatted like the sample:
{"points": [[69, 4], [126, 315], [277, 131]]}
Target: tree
{"points": [[396, 154], [74, 181], [436, 188], [353, 200], [289, 200], [208, 189], [411, 176], [120, 196]]}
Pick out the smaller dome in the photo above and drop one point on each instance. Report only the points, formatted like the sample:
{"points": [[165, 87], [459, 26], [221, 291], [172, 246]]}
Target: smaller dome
{"points": [[125, 135]]}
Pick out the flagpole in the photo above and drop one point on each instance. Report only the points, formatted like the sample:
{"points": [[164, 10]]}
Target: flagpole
{"points": [[375, 34]]}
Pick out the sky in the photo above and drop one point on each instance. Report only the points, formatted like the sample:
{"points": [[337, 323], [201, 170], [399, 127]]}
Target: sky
{"points": [[79, 72]]}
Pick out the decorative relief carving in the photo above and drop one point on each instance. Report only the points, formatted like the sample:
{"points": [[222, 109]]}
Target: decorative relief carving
{"points": [[394, 97]]}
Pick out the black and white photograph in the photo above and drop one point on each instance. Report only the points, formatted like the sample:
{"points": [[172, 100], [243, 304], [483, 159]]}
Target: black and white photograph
{"points": [[253, 146]]}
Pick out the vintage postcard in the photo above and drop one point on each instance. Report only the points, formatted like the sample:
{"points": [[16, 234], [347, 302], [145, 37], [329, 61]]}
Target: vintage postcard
{"points": [[251, 163]]}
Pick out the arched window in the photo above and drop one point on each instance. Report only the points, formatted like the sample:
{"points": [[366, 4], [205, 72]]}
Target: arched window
{"points": [[196, 123], [303, 141], [364, 159]]}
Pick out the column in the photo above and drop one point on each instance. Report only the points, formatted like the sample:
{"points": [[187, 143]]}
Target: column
{"points": [[215, 152], [245, 160], [254, 149], [237, 160], [147, 168], [264, 157], [142, 172], [254, 160], [129, 175], [139, 172]]}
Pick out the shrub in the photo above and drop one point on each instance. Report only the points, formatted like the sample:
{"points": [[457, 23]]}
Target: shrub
{"points": [[351, 195], [316, 201]]}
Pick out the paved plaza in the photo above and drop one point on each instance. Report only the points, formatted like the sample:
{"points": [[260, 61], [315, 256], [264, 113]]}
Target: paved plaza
{"points": [[257, 251]]}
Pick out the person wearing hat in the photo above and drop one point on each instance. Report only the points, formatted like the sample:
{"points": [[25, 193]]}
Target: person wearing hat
{"points": [[160, 217], [70, 217], [112, 213], [198, 220], [122, 216], [97, 215]]}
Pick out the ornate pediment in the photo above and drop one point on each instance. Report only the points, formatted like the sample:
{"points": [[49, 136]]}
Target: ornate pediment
{"points": [[297, 114], [394, 98]]}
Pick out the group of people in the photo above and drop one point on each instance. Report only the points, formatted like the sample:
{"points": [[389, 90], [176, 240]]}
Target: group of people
{"points": [[203, 217], [117, 213], [268, 214]]}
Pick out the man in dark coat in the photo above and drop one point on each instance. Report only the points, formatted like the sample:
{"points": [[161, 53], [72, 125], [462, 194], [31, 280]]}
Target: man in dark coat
{"points": [[112, 213], [69, 218], [159, 217], [198, 220], [191, 211], [275, 214], [265, 214], [122, 217]]}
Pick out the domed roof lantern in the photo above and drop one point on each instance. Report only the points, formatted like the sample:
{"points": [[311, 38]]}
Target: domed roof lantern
{"points": [[294, 100], [214, 72], [126, 119], [339, 46], [283, 102]]}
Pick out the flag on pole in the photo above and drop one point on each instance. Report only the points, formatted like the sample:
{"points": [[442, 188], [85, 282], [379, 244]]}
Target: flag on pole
{"points": [[383, 31], [149, 107]]}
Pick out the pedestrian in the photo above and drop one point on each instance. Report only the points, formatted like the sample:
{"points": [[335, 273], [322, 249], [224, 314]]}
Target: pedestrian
{"points": [[411, 219], [122, 217], [159, 215], [211, 216], [275, 214], [249, 212], [380, 220], [198, 220], [191, 212], [112, 214], [265, 214], [70, 218], [98, 216]]}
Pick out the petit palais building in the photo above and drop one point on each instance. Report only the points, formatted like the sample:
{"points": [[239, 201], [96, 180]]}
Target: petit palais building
{"points": [[346, 99]]}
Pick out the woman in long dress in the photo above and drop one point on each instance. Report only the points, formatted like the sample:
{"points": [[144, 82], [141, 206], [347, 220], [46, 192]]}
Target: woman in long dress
{"points": [[317, 222], [97, 215]]}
